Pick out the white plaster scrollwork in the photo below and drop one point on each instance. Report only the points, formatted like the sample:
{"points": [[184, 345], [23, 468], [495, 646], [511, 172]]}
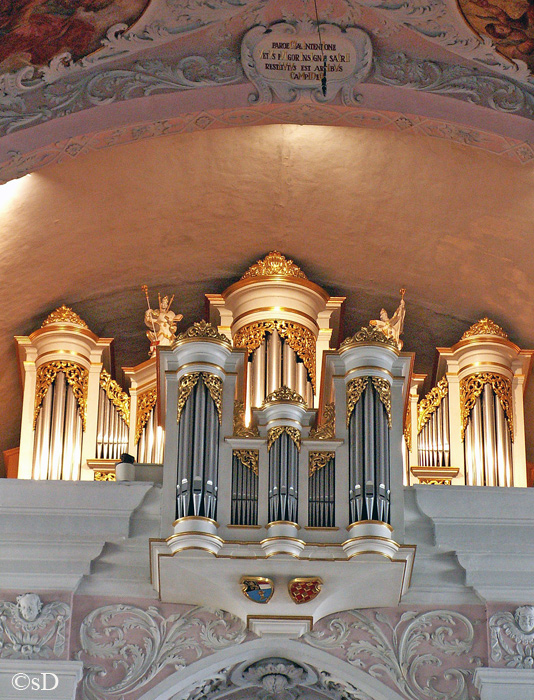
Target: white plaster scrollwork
{"points": [[512, 637], [31, 630], [406, 654], [140, 643]]}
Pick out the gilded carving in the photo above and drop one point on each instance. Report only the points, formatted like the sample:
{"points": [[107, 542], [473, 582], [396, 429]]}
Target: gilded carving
{"points": [[318, 460], [201, 329], [274, 434], [355, 389], [213, 384], [240, 429], [116, 395], [284, 393], [436, 481], [64, 315], [472, 387], [327, 429], [77, 377], [368, 335], [145, 405], [427, 406], [383, 389], [299, 339], [484, 327], [408, 427], [105, 476], [249, 459], [274, 264]]}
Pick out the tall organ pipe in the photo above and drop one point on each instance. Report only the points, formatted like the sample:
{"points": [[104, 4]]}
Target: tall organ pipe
{"points": [[283, 479], [274, 360], [290, 367]]}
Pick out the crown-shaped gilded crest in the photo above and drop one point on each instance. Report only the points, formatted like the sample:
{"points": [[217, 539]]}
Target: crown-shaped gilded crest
{"points": [[64, 315], [274, 264], [484, 327]]}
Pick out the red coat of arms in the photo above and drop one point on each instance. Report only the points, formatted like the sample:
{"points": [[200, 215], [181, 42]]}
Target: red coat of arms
{"points": [[302, 590]]}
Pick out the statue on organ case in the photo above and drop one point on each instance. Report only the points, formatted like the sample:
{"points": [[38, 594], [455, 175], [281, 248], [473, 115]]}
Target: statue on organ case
{"points": [[392, 327], [162, 322]]}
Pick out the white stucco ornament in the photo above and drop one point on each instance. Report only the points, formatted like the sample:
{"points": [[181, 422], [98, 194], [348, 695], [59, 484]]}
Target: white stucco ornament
{"points": [[512, 637], [289, 60]]}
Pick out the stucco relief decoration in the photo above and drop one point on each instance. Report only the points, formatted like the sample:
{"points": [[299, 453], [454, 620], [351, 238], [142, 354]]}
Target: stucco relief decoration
{"points": [[31, 629], [512, 637], [287, 60], [423, 656], [124, 647]]}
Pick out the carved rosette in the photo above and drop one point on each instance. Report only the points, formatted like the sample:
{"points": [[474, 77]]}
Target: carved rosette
{"points": [[145, 405], [202, 330], [116, 395], [299, 338], [249, 459], [427, 406], [368, 335], [318, 460], [484, 327], [77, 378], [284, 394], [274, 434], [64, 315], [274, 264], [240, 429], [327, 429], [187, 383], [471, 388]]}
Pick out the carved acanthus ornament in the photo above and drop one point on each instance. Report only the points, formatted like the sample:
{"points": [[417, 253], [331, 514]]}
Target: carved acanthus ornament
{"points": [[383, 389], [200, 330], [299, 339], [145, 406], [240, 429], [484, 327], [327, 429], [368, 335], [105, 476], [274, 264], [77, 378], [249, 459], [355, 389], [116, 395], [427, 406], [64, 315], [212, 383], [512, 637], [318, 460], [471, 388], [407, 432], [274, 434], [284, 394]]}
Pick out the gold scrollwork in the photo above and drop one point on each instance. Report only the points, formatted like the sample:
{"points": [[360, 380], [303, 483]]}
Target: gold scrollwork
{"points": [[383, 389], [77, 377], [214, 385], [116, 395], [145, 405], [355, 389], [274, 434], [201, 329], [484, 327], [327, 429], [64, 315], [274, 264], [188, 382], [240, 429], [427, 406], [368, 334], [284, 393], [318, 460], [186, 386], [408, 427], [105, 476], [249, 459], [299, 339], [470, 389], [435, 481]]}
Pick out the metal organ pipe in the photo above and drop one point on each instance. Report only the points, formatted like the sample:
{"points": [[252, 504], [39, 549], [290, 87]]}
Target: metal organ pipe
{"points": [[283, 479], [258, 375], [488, 399], [274, 360], [289, 367], [302, 377], [56, 436]]}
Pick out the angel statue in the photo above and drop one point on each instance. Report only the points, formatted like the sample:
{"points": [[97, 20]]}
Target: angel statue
{"points": [[392, 327], [512, 637], [161, 322]]}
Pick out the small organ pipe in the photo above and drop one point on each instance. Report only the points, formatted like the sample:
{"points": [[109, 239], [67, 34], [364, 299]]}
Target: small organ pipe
{"points": [[309, 394]]}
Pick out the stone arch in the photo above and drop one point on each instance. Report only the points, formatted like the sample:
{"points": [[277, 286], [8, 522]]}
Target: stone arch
{"points": [[185, 681]]}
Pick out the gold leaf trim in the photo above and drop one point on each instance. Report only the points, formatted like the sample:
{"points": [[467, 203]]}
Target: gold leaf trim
{"points": [[145, 404], [201, 329], [249, 459], [318, 460], [383, 389], [274, 263], [407, 432], [186, 386], [327, 429], [299, 339], [368, 334], [429, 404], [284, 393], [64, 314], [77, 378], [355, 389], [105, 476], [274, 434], [187, 383], [470, 389], [484, 327], [214, 385], [240, 429], [116, 395]]}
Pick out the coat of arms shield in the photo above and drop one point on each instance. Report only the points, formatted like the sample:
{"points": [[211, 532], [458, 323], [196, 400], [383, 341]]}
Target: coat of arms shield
{"points": [[302, 590], [257, 588]]}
